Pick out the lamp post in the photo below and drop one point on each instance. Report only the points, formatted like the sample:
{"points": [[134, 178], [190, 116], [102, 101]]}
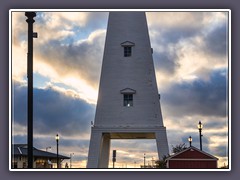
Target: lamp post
{"points": [[114, 157], [49, 147], [31, 35], [200, 126], [57, 139], [71, 155], [144, 160], [190, 141]]}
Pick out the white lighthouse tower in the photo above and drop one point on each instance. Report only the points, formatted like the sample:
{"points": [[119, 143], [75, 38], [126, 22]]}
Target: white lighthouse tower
{"points": [[128, 104]]}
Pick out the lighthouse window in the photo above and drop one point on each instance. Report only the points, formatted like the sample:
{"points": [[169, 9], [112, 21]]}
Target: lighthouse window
{"points": [[128, 100], [127, 51]]}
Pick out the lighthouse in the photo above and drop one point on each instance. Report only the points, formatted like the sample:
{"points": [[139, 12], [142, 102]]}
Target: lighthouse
{"points": [[128, 105]]}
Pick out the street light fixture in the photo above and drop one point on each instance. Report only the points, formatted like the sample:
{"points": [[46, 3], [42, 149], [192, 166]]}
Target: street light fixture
{"points": [[57, 139], [190, 141], [71, 155], [200, 126]]}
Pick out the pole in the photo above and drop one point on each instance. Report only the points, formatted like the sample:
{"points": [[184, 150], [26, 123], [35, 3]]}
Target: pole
{"points": [[144, 160], [57, 155], [114, 157], [30, 21], [200, 136], [200, 126]]}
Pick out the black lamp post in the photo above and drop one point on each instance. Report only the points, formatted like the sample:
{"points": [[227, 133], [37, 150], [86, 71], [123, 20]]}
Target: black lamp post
{"points": [[114, 157], [200, 126], [31, 35], [57, 139], [190, 141], [144, 160]]}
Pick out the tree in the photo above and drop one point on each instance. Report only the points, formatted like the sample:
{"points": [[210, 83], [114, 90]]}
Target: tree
{"points": [[178, 148], [162, 164], [175, 149]]}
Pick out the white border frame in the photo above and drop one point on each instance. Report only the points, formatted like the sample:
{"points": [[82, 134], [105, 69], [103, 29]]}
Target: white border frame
{"points": [[109, 10]]}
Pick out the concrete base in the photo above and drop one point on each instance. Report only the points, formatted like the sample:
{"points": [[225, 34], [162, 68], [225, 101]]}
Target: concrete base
{"points": [[99, 149]]}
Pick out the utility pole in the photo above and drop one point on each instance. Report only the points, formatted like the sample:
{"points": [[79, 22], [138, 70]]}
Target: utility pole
{"points": [[144, 160], [114, 157], [31, 35]]}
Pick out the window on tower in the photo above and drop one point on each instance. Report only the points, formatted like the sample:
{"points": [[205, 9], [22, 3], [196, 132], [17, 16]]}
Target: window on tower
{"points": [[128, 100], [127, 51], [127, 48]]}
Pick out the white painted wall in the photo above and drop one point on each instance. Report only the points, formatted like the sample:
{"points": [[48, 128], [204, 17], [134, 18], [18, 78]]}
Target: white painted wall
{"points": [[135, 72]]}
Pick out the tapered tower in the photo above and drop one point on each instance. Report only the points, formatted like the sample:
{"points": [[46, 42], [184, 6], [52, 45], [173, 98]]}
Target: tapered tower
{"points": [[128, 105]]}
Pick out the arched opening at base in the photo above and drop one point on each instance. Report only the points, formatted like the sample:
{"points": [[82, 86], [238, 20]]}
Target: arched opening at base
{"points": [[133, 153]]}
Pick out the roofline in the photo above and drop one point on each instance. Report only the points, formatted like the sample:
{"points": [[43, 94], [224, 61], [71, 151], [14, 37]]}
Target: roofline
{"points": [[195, 159], [50, 153], [192, 147]]}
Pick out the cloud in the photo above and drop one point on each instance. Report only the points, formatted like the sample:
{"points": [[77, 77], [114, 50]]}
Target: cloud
{"points": [[187, 45], [54, 112], [205, 98], [83, 60], [215, 41], [68, 50]]}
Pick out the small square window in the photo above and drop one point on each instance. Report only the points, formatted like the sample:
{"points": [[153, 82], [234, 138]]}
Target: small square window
{"points": [[127, 51], [128, 100]]}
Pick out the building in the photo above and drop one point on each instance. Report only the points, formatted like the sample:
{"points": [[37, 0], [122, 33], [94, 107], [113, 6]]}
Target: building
{"points": [[192, 158], [42, 159], [128, 105]]}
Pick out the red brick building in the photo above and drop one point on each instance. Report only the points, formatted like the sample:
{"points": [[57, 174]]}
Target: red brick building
{"points": [[192, 158]]}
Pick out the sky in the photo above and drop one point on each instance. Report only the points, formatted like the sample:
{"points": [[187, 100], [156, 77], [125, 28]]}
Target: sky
{"points": [[190, 53]]}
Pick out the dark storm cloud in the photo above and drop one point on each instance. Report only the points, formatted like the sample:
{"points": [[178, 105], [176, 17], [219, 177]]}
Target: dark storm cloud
{"points": [[205, 98], [216, 40], [54, 112], [19, 102]]}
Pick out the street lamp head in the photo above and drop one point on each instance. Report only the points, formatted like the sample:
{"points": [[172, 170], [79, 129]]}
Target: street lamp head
{"points": [[200, 125], [57, 137], [30, 14], [190, 139]]}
